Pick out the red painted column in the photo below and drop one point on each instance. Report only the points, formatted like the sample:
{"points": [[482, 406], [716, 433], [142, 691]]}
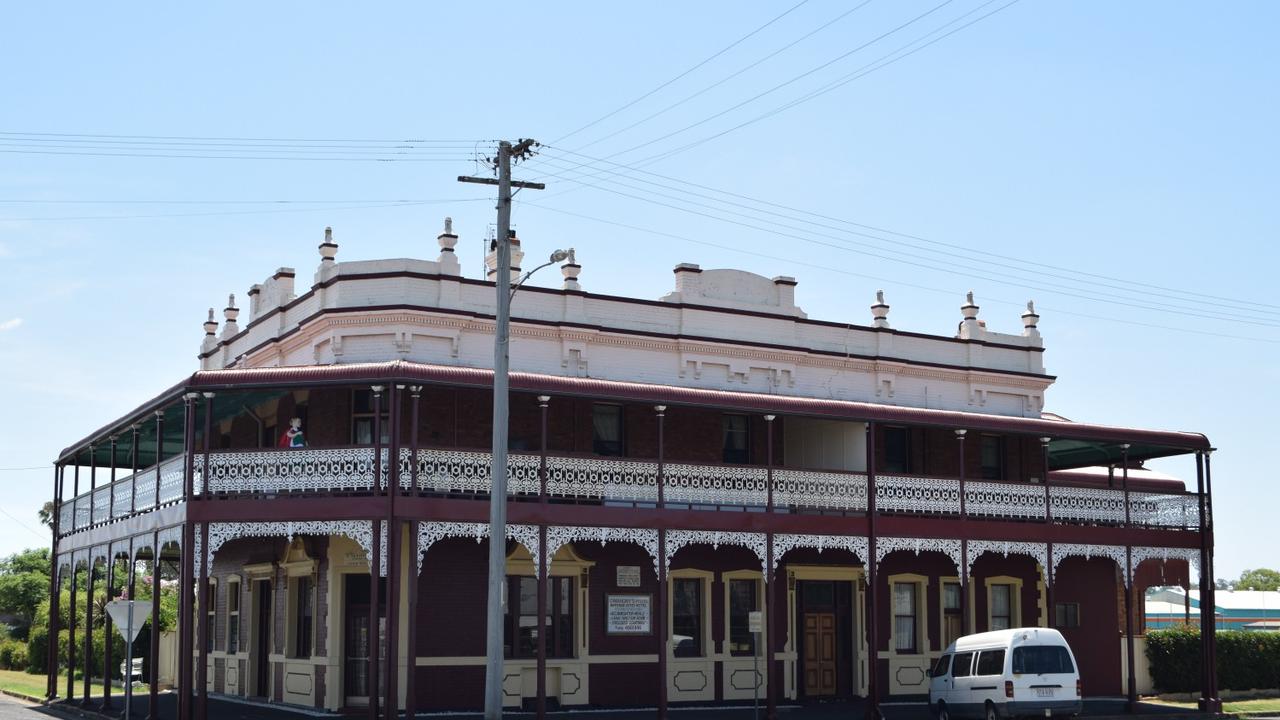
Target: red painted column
{"points": [[661, 411], [375, 564], [1132, 687], [1051, 608], [206, 632], [1215, 702], [392, 699], [410, 693], [770, 578], [873, 685], [964, 543]]}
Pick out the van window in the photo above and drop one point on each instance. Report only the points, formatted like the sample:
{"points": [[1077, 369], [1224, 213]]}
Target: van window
{"points": [[960, 668], [941, 667], [1037, 659], [990, 662]]}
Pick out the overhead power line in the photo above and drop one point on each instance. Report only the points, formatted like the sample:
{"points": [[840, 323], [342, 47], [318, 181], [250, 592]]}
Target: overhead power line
{"points": [[795, 79], [242, 139], [715, 55], [891, 281], [1164, 291], [326, 208], [921, 262], [731, 76], [171, 155]]}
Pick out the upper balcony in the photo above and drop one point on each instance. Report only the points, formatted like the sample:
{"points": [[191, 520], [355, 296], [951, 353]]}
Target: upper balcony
{"points": [[595, 480]]}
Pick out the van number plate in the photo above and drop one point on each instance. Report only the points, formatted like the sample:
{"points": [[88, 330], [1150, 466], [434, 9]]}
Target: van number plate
{"points": [[1044, 692]]}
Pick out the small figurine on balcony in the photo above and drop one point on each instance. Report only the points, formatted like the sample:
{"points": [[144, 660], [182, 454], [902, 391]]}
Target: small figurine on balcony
{"points": [[293, 437]]}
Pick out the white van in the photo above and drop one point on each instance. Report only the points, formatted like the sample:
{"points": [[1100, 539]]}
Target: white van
{"points": [[1006, 673]]}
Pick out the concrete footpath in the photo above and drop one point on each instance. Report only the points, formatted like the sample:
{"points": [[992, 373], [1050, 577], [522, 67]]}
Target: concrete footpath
{"points": [[234, 709]]}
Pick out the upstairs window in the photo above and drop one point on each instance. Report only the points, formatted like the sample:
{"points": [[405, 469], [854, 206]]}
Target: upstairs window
{"points": [[736, 436], [606, 430], [362, 418], [992, 457], [897, 450]]}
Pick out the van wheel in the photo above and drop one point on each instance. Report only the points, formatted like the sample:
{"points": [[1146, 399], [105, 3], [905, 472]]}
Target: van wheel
{"points": [[991, 713], [943, 713]]}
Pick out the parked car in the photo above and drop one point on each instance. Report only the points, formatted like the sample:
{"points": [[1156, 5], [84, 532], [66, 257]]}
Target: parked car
{"points": [[1006, 674]]}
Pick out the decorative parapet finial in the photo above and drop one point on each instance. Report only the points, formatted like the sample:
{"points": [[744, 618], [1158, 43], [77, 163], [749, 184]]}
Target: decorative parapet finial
{"points": [[570, 270], [1030, 320], [210, 337], [328, 248], [448, 259], [880, 311], [231, 312], [970, 328]]}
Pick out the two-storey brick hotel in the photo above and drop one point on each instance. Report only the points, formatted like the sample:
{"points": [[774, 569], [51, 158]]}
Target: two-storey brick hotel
{"points": [[321, 485]]}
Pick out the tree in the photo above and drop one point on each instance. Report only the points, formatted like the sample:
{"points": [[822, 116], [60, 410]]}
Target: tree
{"points": [[1259, 579], [45, 513], [24, 582], [1222, 584]]}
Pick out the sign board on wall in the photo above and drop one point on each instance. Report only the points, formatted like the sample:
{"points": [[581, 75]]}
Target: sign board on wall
{"points": [[628, 614], [628, 576]]}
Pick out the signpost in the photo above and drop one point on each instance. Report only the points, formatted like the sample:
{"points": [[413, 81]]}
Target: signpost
{"points": [[128, 616], [755, 623]]}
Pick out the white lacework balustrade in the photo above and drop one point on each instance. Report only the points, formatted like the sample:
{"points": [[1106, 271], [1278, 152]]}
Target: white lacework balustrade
{"points": [[812, 489], [1004, 500], [83, 519], [1034, 550], [101, 505], [786, 542], [467, 471], [950, 548], [66, 516], [296, 470], [1163, 510], [429, 533], [917, 495], [120, 501], [755, 542], [560, 535], [602, 478], [738, 485], [1090, 505], [171, 472]]}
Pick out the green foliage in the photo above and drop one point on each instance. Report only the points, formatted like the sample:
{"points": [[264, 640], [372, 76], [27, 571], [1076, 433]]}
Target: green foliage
{"points": [[1245, 660], [1259, 579], [24, 582], [38, 648]]}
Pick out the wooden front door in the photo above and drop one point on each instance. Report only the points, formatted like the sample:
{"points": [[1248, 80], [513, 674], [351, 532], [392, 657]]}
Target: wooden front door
{"points": [[819, 654], [262, 646]]}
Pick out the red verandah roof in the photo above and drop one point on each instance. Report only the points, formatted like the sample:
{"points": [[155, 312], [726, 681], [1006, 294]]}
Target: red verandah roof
{"points": [[1076, 444]]}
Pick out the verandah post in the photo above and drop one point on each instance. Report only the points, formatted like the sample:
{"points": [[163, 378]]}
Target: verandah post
{"points": [[1215, 703], [1128, 570], [153, 686], [88, 631], [375, 564], [392, 700], [964, 542], [206, 632], [771, 702], [661, 411], [71, 634], [106, 626], [410, 693], [1051, 608], [873, 685]]}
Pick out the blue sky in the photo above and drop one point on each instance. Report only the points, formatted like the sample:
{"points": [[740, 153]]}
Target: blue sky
{"points": [[1130, 140]]}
